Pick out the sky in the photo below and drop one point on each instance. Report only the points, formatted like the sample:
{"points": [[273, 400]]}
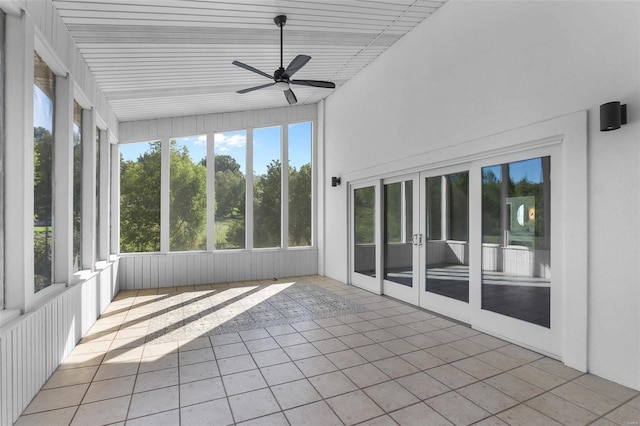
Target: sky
{"points": [[529, 169], [42, 110], [266, 146]]}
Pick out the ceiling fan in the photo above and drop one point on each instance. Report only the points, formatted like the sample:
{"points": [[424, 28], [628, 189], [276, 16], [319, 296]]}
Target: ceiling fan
{"points": [[282, 77]]}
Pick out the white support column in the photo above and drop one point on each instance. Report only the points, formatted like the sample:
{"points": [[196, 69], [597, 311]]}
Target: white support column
{"points": [[284, 192], [88, 189], [211, 191], [19, 69], [165, 205], [248, 224], [63, 178], [114, 194], [444, 208], [105, 190]]}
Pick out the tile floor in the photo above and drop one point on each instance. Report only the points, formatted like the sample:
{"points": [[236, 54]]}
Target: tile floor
{"points": [[387, 364]]}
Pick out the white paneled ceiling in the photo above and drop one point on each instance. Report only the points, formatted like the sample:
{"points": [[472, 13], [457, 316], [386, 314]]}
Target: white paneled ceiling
{"points": [[164, 58]]}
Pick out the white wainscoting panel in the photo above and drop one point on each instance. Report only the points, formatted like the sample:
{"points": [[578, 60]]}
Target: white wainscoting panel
{"points": [[33, 345], [153, 270]]}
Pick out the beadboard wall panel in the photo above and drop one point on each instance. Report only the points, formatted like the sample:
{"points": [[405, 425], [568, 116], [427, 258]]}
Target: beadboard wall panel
{"points": [[33, 345], [153, 270], [147, 130]]}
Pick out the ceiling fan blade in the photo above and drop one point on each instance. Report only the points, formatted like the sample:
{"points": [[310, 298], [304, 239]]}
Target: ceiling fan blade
{"points": [[297, 63], [291, 98], [314, 83], [252, 69], [251, 89]]}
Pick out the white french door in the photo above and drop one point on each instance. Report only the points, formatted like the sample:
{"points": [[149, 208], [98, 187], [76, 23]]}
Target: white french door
{"points": [[474, 242]]}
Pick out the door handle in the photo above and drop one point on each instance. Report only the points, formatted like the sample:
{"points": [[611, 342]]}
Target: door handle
{"points": [[417, 240]]}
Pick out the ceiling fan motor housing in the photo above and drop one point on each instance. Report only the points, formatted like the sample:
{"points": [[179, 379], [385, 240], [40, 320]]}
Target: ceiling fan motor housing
{"points": [[280, 20]]}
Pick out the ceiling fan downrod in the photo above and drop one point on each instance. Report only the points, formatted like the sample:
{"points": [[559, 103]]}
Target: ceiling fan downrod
{"points": [[280, 20]]}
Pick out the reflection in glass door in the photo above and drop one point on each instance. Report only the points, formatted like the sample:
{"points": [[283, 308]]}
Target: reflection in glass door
{"points": [[447, 231], [364, 228], [398, 232], [516, 255]]}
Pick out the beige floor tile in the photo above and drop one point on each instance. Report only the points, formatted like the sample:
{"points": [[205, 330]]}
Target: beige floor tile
{"points": [[201, 391], [443, 336], [451, 376], [53, 399], [227, 351], [537, 377], [316, 334], [156, 380], [330, 345], [514, 387], [126, 343], [463, 331], [457, 409], [60, 417], [81, 361], [399, 346], [152, 402], [260, 345], [487, 397], [159, 349], [200, 371], [340, 330], [356, 340], [195, 356], [379, 421], [191, 344], [390, 396], [491, 421], [422, 327], [70, 377], [561, 410], [363, 326], [305, 350], [316, 414], [270, 357], [625, 415], [236, 364], [281, 373], [476, 368], [586, 398], [166, 418], [217, 411], [446, 353], [346, 359], [253, 404], [243, 382], [522, 415], [419, 415], [111, 388], [422, 360], [469, 347], [315, 365], [513, 351], [395, 367], [290, 339], [499, 360], [556, 368], [225, 339], [605, 387], [160, 362], [402, 331], [422, 385], [327, 322], [379, 335], [91, 347], [374, 352], [102, 412], [354, 407], [257, 333], [332, 384], [304, 326], [120, 356], [422, 341], [366, 375], [277, 419], [110, 371], [603, 422], [294, 394]]}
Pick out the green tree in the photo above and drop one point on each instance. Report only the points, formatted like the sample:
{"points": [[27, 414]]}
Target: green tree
{"points": [[188, 201], [140, 202], [266, 206], [300, 206], [42, 191]]}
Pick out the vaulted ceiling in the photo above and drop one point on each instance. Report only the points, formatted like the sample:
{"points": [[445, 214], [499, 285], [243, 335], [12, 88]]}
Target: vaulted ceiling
{"points": [[163, 58]]}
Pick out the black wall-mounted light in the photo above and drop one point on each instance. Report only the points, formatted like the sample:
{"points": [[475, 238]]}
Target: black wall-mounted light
{"points": [[335, 181], [612, 116]]}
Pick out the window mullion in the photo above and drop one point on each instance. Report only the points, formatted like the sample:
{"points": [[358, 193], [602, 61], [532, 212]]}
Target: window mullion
{"points": [[284, 198], [165, 178], [249, 192]]}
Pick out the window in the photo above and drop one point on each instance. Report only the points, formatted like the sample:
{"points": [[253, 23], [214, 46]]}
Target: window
{"points": [[140, 197], [43, 101], [188, 194], [77, 187], [97, 236], [300, 178], [230, 150], [267, 187]]}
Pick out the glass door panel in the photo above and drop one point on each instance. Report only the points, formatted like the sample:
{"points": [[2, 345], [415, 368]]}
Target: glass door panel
{"points": [[516, 255], [447, 239], [364, 252], [398, 233]]}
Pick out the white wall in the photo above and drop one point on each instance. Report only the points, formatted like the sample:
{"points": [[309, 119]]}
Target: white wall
{"points": [[475, 69]]}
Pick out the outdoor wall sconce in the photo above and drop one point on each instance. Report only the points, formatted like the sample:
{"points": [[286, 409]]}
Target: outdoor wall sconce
{"points": [[612, 116], [335, 181]]}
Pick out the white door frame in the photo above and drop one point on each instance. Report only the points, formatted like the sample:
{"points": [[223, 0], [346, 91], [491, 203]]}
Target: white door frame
{"points": [[372, 284]]}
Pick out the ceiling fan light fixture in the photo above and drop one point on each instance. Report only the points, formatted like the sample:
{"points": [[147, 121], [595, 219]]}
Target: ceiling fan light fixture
{"points": [[281, 85]]}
